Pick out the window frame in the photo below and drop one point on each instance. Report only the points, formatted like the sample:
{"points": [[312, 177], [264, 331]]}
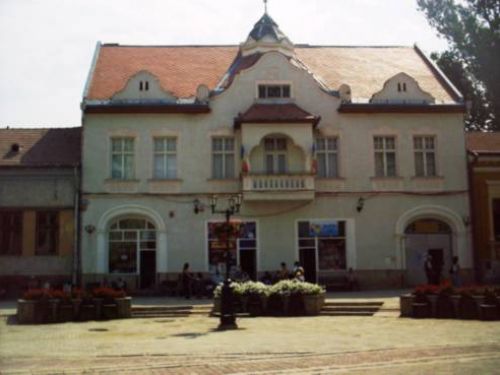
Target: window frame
{"points": [[326, 153], [223, 153], [385, 151], [54, 231], [424, 151], [17, 232], [276, 152], [123, 153], [268, 84], [165, 153]]}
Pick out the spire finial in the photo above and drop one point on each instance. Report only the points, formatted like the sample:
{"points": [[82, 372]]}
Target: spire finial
{"points": [[265, 6]]}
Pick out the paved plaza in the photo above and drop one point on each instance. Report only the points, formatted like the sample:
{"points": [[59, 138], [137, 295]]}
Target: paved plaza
{"points": [[381, 344]]}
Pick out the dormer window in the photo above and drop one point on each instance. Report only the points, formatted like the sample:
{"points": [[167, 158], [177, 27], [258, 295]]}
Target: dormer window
{"points": [[274, 91], [401, 86], [143, 86]]}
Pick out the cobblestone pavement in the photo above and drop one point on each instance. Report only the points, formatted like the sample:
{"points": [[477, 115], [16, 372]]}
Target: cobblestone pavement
{"points": [[382, 344]]}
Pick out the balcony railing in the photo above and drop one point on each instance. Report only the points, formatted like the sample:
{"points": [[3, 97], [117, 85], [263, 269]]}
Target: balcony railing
{"points": [[272, 187]]}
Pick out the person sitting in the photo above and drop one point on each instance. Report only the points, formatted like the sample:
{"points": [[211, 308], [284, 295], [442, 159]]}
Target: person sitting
{"points": [[297, 268], [299, 275], [217, 278], [283, 273], [267, 278], [121, 284]]}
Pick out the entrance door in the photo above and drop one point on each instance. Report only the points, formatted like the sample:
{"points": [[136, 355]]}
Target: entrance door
{"points": [[427, 237], [308, 262], [148, 269], [248, 263]]}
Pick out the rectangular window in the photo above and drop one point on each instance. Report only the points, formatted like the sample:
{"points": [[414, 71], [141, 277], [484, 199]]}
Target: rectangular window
{"points": [[165, 158], [425, 155], [327, 156], [324, 240], [276, 155], [385, 156], [11, 229], [47, 230], [222, 157], [122, 158], [274, 91]]}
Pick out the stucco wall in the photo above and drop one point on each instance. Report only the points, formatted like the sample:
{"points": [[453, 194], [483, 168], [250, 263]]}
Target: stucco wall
{"points": [[376, 232]]}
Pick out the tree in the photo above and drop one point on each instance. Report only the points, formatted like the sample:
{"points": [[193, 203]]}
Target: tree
{"points": [[472, 29]]}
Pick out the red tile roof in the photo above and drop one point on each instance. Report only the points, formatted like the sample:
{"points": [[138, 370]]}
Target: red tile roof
{"points": [[275, 113], [482, 142], [180, 69], [56, 147]]}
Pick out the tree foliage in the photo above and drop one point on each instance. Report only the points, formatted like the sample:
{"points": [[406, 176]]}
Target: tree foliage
{"points": [[472, 28]]}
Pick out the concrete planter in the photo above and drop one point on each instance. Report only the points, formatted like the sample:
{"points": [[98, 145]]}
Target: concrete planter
{"points": [[124, 307], [433, 298], [405, 305], [217, 304], [26, 310], [313, 304]]}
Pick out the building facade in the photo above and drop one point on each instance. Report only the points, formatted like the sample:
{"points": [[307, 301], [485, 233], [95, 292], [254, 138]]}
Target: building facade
{"points": [[345, 157], [39, 183], [484, 172]]}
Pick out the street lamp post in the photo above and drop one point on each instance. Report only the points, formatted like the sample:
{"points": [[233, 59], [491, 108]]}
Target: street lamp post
{"points": [[227, 316]]}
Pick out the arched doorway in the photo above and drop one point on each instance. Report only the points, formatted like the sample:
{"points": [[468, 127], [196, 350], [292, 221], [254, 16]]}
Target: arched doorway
{"points": [[425, 237], [132, 249]]}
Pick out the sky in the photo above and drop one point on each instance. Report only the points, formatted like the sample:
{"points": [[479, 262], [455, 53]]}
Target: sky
{"points": [[46, 46]]}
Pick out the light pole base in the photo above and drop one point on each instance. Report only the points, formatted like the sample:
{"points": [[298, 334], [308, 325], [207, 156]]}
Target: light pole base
{"points": [[227, 323]]}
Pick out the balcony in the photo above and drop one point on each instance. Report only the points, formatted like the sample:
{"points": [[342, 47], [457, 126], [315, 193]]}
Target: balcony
{"points": [[277, 187]]}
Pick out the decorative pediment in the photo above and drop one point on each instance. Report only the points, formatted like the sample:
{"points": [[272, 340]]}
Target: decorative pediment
{"points": [[143, 85], [402, 89]]}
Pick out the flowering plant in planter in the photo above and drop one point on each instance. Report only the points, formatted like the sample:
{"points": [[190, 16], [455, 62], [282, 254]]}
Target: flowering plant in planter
{"points": [[236, 287], [36, 294], [253, 288]]}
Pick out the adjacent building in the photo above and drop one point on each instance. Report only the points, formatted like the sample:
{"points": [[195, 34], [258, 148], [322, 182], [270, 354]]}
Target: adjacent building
{"points": [[345, 157], [484, 171], [39, 183]]}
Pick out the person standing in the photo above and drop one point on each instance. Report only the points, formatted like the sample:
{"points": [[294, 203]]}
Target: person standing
{"points": [[456, 279], [429, 270], [186, 281]]}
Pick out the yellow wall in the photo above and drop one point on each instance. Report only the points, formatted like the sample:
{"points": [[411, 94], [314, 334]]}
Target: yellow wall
{"points": [[29, 233], [66, 232]]}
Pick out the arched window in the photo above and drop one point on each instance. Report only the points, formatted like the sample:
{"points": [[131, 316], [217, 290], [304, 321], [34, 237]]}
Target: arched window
{"points": [[127, 238]]}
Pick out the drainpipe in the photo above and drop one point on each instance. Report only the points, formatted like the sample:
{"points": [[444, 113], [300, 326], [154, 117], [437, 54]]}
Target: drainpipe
{"points": [[76, 277], [472, 208]]}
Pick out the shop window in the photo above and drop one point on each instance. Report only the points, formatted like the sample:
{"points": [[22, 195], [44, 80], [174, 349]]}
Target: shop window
{"points": [[241, 237], [325, 240], [11, 229], [47, 230], [496, 218]]}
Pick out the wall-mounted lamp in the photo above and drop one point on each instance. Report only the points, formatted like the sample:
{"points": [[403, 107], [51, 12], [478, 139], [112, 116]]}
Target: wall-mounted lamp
{"points": [[89, 228], [361, 204], [198, 206]]}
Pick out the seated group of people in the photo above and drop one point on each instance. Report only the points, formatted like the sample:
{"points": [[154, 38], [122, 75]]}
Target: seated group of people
{"points": [[284, 273]]}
